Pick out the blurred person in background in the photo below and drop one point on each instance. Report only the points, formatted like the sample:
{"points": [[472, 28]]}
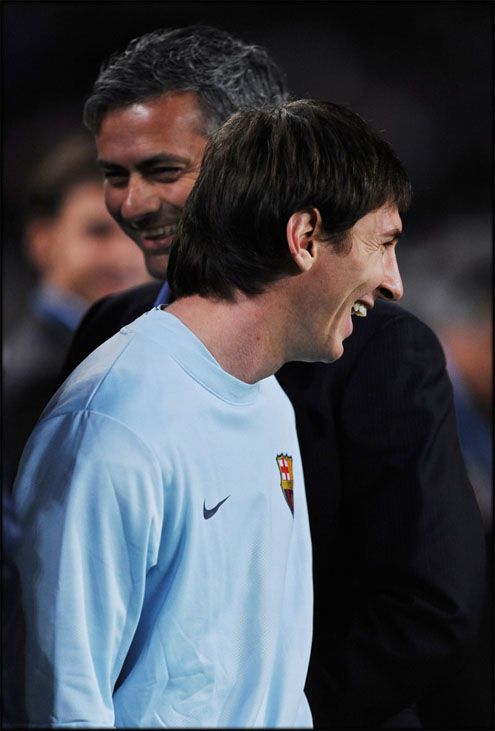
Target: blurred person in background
{"points": [[466, 334], [463, 323], [80, 255]]}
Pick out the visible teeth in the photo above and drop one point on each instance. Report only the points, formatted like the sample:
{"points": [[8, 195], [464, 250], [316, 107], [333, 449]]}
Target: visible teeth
{"points": [[358, 308], [162, 231]]}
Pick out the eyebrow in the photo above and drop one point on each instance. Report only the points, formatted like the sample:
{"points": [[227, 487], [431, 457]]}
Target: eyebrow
{"points": [[393, 235], [161, 158]]}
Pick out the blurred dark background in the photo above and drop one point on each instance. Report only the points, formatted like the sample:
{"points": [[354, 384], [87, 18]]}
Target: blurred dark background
{"points": [[419, 71]]}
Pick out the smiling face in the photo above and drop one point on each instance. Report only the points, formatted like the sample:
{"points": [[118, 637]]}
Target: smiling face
{"points": [[150, 154], [346, 284]]}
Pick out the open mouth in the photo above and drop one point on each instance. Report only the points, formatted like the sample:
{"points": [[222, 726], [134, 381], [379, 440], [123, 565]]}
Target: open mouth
{"points": [[359, 308], [156, 233]]}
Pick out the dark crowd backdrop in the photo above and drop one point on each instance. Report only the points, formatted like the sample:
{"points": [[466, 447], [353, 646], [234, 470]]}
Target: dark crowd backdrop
{"points": [[419, 71]]}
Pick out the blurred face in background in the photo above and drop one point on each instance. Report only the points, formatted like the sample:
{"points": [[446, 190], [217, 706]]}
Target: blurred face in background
{"points": [[82, 250]]}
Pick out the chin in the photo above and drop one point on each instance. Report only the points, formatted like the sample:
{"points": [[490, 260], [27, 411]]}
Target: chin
{"points": [[335, 356], [330, 355], [335, 352], [157, 266]]}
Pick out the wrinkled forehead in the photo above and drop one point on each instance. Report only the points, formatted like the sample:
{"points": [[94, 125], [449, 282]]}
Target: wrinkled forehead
{"points": [[170, 124], [382, 224]]}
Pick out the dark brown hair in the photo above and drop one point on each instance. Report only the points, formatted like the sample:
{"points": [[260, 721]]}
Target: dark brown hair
{"points": [[258, 169]]}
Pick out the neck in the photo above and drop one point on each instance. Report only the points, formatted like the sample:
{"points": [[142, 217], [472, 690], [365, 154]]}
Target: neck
{"points": [[245, 336]]}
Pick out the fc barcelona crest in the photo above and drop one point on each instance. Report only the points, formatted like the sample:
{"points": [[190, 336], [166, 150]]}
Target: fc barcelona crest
{"points": [[286, 479]]}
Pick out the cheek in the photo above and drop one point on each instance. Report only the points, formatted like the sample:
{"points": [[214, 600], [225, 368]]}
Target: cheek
{"points": [[113, 201], [178, 193], [370, 274], [378, 265]]}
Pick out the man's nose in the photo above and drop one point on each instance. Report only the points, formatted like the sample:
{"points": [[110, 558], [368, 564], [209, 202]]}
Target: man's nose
{"points": [[141, 199], [391, 287]]}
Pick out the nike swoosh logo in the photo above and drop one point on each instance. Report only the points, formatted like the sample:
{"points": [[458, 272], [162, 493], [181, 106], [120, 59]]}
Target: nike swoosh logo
{"points": [[208, 513]]}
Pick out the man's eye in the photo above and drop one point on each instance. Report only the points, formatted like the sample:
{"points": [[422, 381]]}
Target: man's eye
{"points": [[115, 177], [166, 172]]}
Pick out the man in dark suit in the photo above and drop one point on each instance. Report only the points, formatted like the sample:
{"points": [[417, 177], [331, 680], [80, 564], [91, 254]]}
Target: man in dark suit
{"points": [[397, 536]]}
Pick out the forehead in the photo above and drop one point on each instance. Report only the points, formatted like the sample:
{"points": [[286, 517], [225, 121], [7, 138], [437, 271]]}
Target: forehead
{"points": [[170, 124], [384, 222]]}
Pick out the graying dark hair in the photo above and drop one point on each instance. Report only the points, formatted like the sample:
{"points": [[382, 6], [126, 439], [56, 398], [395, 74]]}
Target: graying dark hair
{"points": [[226, 74]]}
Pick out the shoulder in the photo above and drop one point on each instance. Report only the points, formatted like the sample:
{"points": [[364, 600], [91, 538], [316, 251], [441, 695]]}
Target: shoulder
{"points": [[391, 327], [395, 364], [105, 318], [390, 345], [124, 305], [88, 417], [389, 341], [139, 362]]}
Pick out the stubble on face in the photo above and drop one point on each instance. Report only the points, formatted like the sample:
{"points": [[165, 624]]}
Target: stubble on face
{"points": [[150, 154], [350, 281]]}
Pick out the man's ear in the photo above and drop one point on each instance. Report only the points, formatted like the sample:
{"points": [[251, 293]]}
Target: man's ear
{"points": [[302, 229]]}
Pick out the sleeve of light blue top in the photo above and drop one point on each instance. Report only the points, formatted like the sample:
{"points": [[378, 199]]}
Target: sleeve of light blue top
{"points": [[90, 498]]}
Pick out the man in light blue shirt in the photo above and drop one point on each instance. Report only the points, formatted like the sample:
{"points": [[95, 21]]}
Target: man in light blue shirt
{"points": [[166, 565]]}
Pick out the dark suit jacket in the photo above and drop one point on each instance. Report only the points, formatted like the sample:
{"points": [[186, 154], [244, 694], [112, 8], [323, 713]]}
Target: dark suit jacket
{"points": [[397, 535]]}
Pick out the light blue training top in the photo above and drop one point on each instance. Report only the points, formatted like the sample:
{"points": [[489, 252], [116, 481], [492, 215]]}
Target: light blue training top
{"points": [[166, 577]]}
